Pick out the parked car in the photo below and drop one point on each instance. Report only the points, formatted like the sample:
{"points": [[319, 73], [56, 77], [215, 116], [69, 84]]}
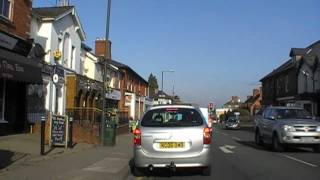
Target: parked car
{"points": [[287, 126], [232, 123], [172, 136]]}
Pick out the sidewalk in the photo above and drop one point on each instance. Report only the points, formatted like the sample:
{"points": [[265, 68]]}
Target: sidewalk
{"points": [[84, 162], [26, 147]]}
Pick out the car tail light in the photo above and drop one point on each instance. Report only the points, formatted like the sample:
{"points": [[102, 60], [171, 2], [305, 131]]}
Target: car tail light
{"points": [[206, 136], [137, 137]]}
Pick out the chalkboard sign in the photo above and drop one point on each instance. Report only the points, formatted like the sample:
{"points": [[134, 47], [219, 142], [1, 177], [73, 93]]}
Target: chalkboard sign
{"points": [[58, 130]]}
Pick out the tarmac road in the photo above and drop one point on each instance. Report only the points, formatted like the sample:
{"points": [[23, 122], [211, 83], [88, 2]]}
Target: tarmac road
{"points": [[235, 156]]}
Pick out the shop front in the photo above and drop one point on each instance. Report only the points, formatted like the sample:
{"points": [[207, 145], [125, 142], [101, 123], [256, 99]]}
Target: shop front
{"points": [[17, 73]]}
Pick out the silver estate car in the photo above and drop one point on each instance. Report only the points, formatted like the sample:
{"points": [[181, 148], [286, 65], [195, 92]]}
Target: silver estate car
{"points": [[287, 126], [172, 136]]}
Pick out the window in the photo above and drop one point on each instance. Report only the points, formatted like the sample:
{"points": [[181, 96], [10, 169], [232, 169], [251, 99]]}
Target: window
{"points": [[65, 50], [172, 117], [5, 8], [60, 44], [73, 54], [287, 84]]}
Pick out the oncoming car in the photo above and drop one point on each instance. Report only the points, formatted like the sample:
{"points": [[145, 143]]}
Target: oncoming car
{"points": [[287, 126], [172, 136], [232, 123]]}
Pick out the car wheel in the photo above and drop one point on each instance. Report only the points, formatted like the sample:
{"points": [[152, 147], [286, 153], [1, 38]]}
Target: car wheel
{"points": [[316, 148], [257, 138], [206, 171], [276, 145], [136, 171]]}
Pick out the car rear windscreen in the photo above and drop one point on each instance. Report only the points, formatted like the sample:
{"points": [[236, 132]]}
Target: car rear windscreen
{"points": [[172, 117]]}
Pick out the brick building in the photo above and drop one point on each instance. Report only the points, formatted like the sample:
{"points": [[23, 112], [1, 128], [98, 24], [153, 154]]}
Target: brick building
{"points": [[253, 102], [19, 74]]}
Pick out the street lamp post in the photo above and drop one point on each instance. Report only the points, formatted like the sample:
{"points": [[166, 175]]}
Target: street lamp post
{"points": [[162, 77], [105, 73]]}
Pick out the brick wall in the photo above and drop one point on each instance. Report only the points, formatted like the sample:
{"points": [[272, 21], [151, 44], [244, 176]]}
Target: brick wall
{"points": [[19, 24]]}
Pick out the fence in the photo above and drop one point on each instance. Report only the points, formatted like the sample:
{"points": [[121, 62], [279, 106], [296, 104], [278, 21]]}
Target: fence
{"points": [[93, 116]]}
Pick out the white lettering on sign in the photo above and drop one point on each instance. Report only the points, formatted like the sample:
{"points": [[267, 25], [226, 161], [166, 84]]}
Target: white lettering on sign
{"points": [[11, 67]]}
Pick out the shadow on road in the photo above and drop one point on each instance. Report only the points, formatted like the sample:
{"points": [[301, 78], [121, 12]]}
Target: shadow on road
{"points": [[266, 147], [165, 172], [247, 128], [5, 158]]}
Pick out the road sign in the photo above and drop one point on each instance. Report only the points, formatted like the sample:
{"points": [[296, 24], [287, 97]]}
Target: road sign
{"points": [[210, 106]]}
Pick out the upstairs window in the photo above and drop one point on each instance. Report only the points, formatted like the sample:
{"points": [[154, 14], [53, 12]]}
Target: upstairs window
{"points": [[73, 54], [287, 84], [5, 8]]}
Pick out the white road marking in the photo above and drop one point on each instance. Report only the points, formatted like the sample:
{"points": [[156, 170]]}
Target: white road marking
{"points": [[300, 161], [227, 149], [225, 134], [236, 138]]}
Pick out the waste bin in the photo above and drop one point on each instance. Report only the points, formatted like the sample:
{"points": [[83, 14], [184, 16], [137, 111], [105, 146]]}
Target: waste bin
{"points": [[110, 132]]}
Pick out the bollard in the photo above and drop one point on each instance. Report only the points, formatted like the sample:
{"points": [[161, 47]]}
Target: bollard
{"points": [[70, 131], [43, 126]]}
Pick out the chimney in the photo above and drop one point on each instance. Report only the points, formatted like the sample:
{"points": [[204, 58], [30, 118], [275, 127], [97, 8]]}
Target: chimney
{"points": [[103, 48], [255, 92], [62, 3]]}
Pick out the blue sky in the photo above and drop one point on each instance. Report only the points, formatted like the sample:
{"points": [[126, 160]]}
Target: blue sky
{"points": [[217, 48]]}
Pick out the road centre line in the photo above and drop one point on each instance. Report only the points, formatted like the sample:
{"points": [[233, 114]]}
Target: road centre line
{"points": [[225, 150], [301, 161], [236, 138]]}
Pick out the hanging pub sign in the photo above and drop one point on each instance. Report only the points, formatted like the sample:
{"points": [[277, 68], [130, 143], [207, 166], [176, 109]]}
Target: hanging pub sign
{"points": [[59, 131]]}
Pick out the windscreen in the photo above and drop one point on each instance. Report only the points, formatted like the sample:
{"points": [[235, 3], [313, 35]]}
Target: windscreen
{"points": [[172, 117]]}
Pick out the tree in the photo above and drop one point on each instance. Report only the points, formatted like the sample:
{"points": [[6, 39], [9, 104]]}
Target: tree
{"points": [[153, 85]]}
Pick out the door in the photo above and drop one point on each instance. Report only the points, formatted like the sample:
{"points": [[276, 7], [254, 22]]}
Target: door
{"points": [[270, 122], [263, 122]]}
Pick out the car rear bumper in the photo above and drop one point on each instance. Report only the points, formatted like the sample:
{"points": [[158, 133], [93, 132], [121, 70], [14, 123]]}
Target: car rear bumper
{"points": [[142, 160]]}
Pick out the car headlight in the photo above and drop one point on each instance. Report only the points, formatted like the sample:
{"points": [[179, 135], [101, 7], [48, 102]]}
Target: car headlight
{"points": [[318, 129], [289, 128]]}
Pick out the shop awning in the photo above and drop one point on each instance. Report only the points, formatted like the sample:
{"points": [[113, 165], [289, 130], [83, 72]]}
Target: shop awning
{"points": [[19, 68]]}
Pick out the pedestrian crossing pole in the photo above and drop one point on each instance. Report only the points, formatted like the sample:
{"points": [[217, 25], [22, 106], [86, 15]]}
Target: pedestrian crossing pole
{"points": [[43, 126]]}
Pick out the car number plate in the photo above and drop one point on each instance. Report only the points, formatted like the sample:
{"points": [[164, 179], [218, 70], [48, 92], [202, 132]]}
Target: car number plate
{"points": [[171, 145], [307, 138]]}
